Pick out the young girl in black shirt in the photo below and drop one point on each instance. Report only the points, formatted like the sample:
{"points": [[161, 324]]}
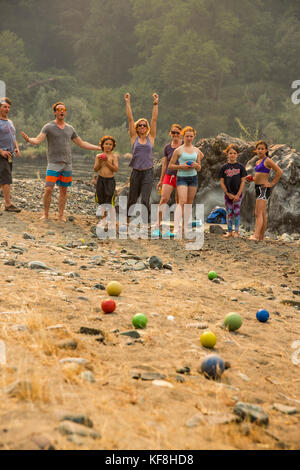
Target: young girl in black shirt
{"points": [[232, 178]]}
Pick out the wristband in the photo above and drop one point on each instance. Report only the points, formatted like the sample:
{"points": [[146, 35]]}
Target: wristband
{"points": [[155, 104]]}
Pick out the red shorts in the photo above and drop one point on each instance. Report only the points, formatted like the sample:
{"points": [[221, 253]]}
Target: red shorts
{"points": [[171, 180]]}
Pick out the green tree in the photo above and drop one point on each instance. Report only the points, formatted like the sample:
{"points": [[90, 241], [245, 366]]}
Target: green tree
{"points": [[106, 49]]}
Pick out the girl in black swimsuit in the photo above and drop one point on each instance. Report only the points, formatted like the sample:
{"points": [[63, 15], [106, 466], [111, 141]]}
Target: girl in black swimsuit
{"points": [[262, 187]]}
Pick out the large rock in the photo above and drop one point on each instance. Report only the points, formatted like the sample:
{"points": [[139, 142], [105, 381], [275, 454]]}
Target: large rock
{"points": [[283, 207]]}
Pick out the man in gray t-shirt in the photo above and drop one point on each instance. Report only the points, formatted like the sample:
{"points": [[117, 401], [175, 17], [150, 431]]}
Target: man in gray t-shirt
{"points": [[59, 171], [8, 148]]}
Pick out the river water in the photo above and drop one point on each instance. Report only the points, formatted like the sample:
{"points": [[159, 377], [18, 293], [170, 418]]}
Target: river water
{"points": [[83, 168]]}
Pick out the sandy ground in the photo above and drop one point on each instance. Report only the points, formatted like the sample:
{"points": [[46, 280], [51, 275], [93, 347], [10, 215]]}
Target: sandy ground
{"points": [[131, 413]]}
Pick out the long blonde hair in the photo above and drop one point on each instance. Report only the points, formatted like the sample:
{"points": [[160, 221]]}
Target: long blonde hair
{"points": [[137, 123]]}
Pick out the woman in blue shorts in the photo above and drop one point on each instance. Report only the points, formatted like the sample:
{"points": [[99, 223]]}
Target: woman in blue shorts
{"points": [[189, 158]]}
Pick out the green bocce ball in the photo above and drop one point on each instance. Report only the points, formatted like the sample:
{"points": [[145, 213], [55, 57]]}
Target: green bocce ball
{"points": [[139, 320], [233, 321], [212, 275]]}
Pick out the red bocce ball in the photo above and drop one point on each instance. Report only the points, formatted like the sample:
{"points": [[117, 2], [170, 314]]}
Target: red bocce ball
{"points": [[108, 305]]}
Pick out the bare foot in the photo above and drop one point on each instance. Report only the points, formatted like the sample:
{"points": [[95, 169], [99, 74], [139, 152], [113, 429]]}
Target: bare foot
{"points": [[254, 239], [228, 235], [45, 217], [236, 235], [62, 219]]}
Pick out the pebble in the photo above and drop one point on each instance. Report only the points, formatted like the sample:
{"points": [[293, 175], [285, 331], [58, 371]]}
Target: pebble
{"points": [[79, 419], [155, 262], [10, 262], [243, 377], [43, 442], [69, 428], [168, 266], [76, 360], [87, 376], [75, 440], [183, 370], [90, 331], [162, 383], [152, 376], [202, 326], [288, 410], [216, 229], [254, 413], [131, 333], [27, 236], [69, 262], [195, 421], [99, 286], [67, 344], [83, 298], [56, 327], [180, 379], [140, 266], [37, 265]]}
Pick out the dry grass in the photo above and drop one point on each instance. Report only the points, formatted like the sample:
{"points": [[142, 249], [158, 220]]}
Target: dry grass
{"points": [[133, 413]]}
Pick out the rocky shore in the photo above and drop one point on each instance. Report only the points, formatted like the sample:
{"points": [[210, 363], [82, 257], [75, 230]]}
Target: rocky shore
{"points": [[72, 377], [28, 195]]}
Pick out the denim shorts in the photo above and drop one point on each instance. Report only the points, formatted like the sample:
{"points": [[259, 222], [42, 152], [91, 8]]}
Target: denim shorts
{"points": [[187, 180]]}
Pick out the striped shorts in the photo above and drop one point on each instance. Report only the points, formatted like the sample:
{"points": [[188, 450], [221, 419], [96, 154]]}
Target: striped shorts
{"points": [[60, 174]]}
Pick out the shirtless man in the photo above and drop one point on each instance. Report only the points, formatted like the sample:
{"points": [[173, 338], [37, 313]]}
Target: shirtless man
{"points": [[59, 171]]}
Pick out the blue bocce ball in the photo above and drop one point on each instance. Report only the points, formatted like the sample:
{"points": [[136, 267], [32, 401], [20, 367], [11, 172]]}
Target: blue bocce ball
{"points": [[212, 366], [262, 315]]}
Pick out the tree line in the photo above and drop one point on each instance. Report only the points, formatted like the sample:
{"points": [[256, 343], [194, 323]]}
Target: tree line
{"points": [[218, 65]]}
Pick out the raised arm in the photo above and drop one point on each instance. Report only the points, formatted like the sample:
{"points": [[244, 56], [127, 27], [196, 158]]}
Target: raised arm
{"points": [[153, 125], [132, 131], [34, 140], [85, 145]]}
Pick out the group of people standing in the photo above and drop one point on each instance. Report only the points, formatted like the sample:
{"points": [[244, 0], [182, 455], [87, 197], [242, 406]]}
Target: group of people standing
{"points": [[181, 163]]}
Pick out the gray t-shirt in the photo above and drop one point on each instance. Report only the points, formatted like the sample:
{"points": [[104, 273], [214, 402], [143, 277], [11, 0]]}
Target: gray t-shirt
{"points": [[59, 142], [7, 135]]}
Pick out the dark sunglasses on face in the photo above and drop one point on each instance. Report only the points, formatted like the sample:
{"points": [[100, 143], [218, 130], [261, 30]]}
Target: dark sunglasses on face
{"points": [[142, 125], [175, 133]]}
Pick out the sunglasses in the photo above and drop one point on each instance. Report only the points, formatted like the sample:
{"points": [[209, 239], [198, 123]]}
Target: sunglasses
{"points": [[142, 125], [175, 133], [61, 109]]}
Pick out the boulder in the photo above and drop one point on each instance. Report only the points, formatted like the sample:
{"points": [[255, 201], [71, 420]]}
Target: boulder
{"points": [[283, 208]]}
